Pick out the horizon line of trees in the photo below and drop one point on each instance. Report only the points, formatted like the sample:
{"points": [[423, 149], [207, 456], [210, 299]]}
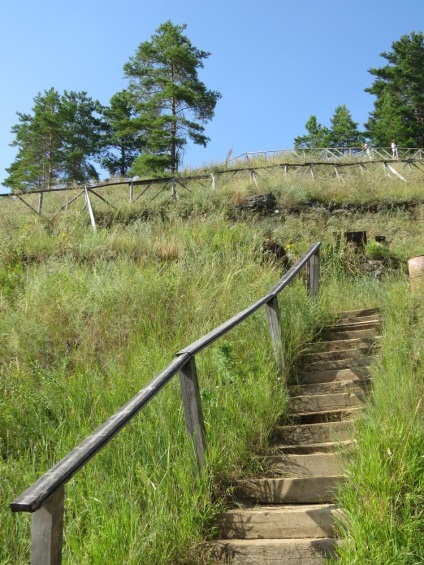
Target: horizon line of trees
{"points": [[398, 114], [145, 128]]}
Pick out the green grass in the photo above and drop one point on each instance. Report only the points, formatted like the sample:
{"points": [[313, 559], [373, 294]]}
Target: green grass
{"points": [[87, 319], [384, 496]]}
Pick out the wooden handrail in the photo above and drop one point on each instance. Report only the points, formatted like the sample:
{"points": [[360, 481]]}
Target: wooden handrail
{"points": [[209, 338], [45, 498], [32, 499]]}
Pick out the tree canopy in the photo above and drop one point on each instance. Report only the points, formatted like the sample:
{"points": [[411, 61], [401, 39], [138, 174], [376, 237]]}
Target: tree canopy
{"points": [[171, 103], [56, 142], [343, 132], [122, 141], [317, 135], [399, 89]]}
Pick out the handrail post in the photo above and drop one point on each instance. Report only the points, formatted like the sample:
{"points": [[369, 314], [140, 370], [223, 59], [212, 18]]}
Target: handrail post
{"points": [[313, 274], [274, 324], [47, 530], [193, 409]]}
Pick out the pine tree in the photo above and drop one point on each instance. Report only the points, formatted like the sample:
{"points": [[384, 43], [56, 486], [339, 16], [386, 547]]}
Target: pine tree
{"points": [[122, 143], [56, 142], [399, 89], [317, 136], [344, 131], [82, 136], [172, 104], [39, 138]]}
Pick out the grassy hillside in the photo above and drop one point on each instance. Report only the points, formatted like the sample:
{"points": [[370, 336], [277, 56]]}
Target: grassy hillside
{"points": [[88, 319]]}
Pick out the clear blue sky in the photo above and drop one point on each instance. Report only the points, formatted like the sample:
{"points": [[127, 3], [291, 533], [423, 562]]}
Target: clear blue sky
{"points": [[275, 62]]}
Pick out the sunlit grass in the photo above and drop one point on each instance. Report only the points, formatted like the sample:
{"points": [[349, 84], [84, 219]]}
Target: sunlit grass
{"points": [[89, 318]]}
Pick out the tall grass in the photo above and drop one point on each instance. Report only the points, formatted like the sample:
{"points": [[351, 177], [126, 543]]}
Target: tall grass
{"points": [[383, 518], [87, 319]]}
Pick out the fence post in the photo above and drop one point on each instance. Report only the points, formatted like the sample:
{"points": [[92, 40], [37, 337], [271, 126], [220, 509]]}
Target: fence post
{"points": [[312, 274], [131, 191], [90, 209], [274, 324], [193, 409], [47, 530], [40, 203]]}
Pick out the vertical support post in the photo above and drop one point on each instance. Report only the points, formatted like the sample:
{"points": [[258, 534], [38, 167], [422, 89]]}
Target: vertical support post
{"points": [[253, 177], [90, 210], [312, 274], [213, 181], [40, 203], [47, 530], [274, 324], [193, 409], [336, 170], [131, 191], [173, 189], [386, 173]]}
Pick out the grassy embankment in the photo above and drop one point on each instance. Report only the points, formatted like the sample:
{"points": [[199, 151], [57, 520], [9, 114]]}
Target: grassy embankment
{"points": [[88, 319]]}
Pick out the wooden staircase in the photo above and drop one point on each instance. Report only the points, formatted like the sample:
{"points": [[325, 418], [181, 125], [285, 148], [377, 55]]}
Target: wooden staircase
{"points": [[287, 516]]}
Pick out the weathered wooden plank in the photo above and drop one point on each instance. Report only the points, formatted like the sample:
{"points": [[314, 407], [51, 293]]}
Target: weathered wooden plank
{"points": [[47, 530], [193, 409], [312, 274], [274, 324]]}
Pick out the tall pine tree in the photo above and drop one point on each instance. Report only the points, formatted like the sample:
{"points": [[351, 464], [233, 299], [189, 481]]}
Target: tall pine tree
{"points": [[122, 141], [317, 135], [399, 89], [39, 139], [172, 104], [344, 131], [56, 142]]}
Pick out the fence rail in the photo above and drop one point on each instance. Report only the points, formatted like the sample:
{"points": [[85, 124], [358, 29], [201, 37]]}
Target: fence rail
{"points": [[331, 153], [308, 162], [45, 498]]}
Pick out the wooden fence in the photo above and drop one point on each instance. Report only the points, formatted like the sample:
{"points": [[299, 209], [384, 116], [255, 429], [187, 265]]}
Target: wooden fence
{"points": [[398, 168], [45, 498]]}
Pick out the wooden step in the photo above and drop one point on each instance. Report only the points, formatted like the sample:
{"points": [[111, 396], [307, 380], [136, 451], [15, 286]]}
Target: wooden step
{"points": [[313, 433], [351, 334], [339, 415], [305, 465], [278, 522], [333, 387], [292, 490], [348, 354], [351, 325], [309, 448], [324, 402], [303, 551], [334, 375], [351, 343], [359, 314], [325, 365]]}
